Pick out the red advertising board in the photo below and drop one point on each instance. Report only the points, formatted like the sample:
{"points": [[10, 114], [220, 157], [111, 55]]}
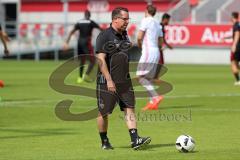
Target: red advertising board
{"points": [[177, 35], [199, 35]]}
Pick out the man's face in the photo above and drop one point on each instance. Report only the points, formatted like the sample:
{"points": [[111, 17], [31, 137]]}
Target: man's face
{"points": [[233, 20], [166, 21], [122, 21]]}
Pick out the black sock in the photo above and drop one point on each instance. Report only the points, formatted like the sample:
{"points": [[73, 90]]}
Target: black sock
{"points": [[236, 76], [103, 136], [81, 70], [133, 134]]}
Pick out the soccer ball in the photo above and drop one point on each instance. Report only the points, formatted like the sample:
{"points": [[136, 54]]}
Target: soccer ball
{"points": [[185, 143]]}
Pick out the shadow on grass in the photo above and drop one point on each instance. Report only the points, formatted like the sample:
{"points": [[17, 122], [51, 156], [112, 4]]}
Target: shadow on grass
{"points": [[192, 152], [36, 133], [152, 146], [22, 100]]}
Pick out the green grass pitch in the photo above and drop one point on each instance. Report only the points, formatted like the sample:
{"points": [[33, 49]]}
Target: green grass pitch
{"points": [[204, 99]]}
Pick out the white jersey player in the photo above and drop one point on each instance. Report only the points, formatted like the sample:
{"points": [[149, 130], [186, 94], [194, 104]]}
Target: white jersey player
{"points": [[150, 37]]}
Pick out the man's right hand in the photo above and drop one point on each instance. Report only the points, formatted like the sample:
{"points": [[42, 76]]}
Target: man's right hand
{"points": [[6, 52], [65, 46], [111, 86], [170, 47]]}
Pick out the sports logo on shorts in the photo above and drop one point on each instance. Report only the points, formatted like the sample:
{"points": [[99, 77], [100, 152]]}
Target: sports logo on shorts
{"points": [[101, 104]]}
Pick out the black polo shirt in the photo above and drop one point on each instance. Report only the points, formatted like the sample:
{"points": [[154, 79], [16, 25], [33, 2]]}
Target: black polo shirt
{"points": [[115, 46], [236, 28], [85, 28]]}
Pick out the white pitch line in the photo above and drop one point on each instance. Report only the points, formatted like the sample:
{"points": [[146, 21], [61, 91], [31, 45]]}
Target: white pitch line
{"points": [[188, 107], [18, 102], [205, 96]]}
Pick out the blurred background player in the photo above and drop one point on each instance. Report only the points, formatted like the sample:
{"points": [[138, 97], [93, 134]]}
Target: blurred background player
{"points": [[150, 38], [84, 48], [4, 39], [235, 49], [165, 21]]}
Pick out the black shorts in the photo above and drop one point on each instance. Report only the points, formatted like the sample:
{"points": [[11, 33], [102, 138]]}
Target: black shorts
{"points": [[161, 62], [161, 59], [236, 55], [158, 70], [85, 47], [107, 100]]}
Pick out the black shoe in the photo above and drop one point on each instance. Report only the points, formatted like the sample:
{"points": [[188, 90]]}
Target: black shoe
{"points": [[141, 142], [106, 145]]}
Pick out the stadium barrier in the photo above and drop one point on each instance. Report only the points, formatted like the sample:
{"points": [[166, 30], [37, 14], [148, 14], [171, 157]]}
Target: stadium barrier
{"points": [[37, 38]]}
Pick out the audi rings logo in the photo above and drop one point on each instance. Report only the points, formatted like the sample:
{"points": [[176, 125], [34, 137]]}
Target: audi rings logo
{"points": [[177, 34], [98, 6]]}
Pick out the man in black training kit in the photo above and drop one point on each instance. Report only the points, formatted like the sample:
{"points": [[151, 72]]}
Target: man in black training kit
{"points": [[85, 49], [113, 80], [235, 49], [165, 21]]}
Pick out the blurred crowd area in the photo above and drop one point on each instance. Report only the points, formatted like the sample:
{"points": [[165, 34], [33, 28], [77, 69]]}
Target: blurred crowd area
{"points": [[42, 25]]}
